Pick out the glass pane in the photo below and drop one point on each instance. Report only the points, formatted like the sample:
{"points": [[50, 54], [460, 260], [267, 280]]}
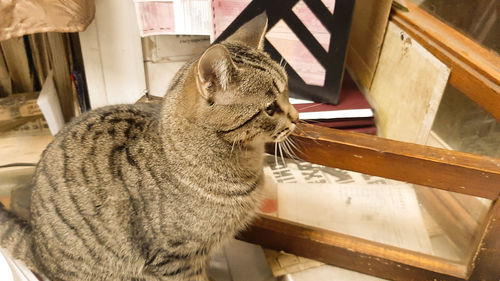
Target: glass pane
{"points": [[463, 125], [421, 219], [478, 19]]}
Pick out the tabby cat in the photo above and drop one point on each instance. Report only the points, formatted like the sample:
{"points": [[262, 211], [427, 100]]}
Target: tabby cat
{"points": [[147, 192]]}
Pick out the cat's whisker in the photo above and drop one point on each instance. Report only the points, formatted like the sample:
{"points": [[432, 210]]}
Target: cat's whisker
{"points": [[287, 150], [294, 145], [290, 148], [281, 154], [276, 153], [311, 106], [232, 147], [308, 121]]}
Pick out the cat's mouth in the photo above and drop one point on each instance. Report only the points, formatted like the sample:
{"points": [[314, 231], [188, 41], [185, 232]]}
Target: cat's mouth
{"points": [[283, 134]]}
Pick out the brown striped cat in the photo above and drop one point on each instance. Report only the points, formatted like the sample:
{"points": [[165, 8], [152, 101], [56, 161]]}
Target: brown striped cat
{"points": [[147, 192]]}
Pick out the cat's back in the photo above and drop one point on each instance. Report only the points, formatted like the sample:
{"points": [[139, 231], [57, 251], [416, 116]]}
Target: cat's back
{"points": [[83, 154], [101, 128]]}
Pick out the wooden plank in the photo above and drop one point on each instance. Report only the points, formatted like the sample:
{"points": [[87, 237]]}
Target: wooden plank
{"points": [[62, 78], [39, 49], [369, 24], [5, 83], [486, 262], [459, 172], [474, 69], [350, 252], [407, 88], [16, 59]]}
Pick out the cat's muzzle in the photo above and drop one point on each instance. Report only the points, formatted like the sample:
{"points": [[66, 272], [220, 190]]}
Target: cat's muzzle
{"points": [[282, 135]]}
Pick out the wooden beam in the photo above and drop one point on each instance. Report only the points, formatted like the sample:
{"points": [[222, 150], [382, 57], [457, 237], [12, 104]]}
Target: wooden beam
{"points": [[485, 265], [62, 78], [16, 59], [39, 50], [428, 166], [5, 83], [350, 252], [474, 69]]}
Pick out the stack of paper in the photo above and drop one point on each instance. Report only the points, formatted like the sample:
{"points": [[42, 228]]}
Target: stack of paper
{"points": [[160, 17], [352, 113]]}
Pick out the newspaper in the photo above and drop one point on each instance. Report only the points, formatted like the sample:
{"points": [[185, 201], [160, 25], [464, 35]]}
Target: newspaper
{"points": [[364, 206]]}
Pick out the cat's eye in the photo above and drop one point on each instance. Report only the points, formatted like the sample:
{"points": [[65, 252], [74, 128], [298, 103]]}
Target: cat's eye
{"points": [[271, 109]]}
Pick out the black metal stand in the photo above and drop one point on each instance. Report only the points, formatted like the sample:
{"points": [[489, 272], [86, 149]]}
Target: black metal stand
{"points": [[338, 24]]}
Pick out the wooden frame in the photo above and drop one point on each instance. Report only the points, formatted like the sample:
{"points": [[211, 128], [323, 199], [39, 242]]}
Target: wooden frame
{"points": [[475, 73], [432, 167], [475, 70]]}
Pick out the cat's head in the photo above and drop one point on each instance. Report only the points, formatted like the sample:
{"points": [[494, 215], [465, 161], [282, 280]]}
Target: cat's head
{"points": [[242, 92]]}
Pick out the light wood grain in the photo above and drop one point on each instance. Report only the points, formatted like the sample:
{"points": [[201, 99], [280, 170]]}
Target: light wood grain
{"points": [[369, 24], [39, 50], [474, 69], [62, 77], [5, 83], [16, 60], [407, 88]]}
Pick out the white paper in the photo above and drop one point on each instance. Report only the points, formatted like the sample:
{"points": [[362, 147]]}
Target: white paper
{"points": [[48, 102], [332, 114], [387, 214], [190, 17], [364, 206], [299, 101]]}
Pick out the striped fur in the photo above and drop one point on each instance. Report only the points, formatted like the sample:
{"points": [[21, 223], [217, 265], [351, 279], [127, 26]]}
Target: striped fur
{"points": [[147, 192]]}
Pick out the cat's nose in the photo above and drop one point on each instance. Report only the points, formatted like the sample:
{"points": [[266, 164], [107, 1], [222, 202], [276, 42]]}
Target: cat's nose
{"points": [[293, 115]]}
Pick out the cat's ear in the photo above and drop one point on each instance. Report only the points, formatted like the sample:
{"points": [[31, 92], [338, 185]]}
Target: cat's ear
{"points": [[214, 71], [251, 33]]}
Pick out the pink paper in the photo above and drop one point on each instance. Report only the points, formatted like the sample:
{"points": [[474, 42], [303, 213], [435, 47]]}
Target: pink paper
{"points": [[156, 17]]}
